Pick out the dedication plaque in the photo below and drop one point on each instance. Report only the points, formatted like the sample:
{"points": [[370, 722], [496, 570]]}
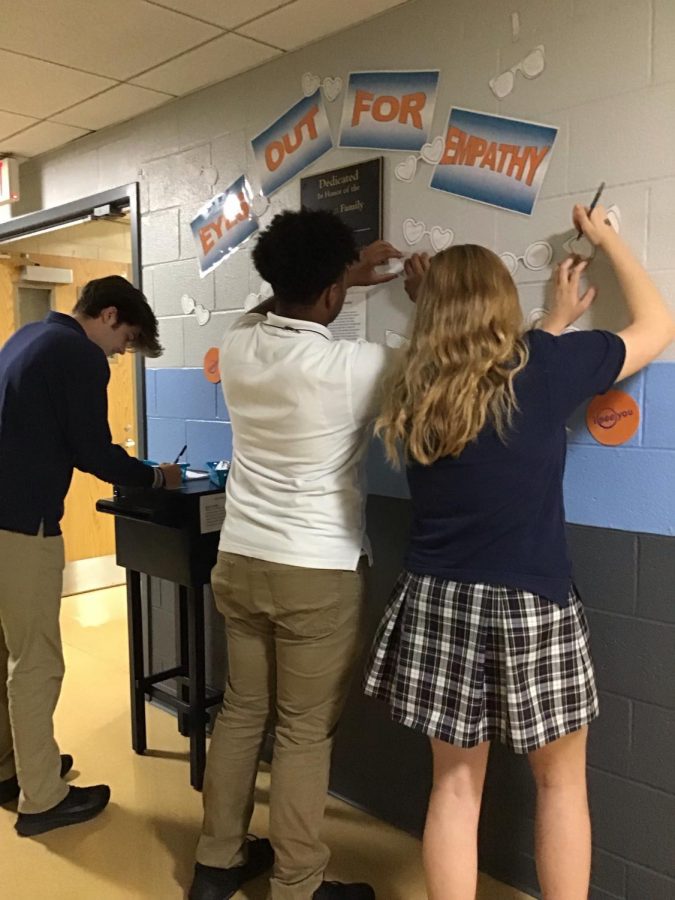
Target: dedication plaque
{"points": [[354, 193]]}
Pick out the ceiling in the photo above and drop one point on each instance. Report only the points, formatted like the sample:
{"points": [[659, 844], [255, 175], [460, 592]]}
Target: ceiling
{"points": [[70, 67]]}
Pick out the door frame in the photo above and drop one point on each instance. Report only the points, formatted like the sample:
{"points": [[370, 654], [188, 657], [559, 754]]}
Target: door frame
{"points": [[127, 196]]}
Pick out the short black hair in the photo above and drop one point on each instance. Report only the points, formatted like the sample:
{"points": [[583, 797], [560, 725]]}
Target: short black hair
{"points": [[131, 305], [302, 253]]}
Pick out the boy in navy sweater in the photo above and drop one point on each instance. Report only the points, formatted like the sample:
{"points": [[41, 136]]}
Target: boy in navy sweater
{"points": [[54, 418]]}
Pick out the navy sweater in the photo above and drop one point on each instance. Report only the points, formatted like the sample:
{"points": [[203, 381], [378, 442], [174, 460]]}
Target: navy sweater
{"points": [[54, 418]]}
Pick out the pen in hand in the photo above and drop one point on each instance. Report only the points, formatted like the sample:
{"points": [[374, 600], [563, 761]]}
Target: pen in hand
{"points": [[180, 454], [594, 203]]}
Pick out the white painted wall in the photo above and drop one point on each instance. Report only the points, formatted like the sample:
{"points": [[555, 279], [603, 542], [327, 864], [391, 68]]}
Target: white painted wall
{"points": [[609, 85]]}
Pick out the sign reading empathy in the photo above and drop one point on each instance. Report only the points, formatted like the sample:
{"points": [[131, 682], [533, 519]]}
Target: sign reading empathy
{"points": [[388, 110], [494, 160], [292, 143], [223, 224]]}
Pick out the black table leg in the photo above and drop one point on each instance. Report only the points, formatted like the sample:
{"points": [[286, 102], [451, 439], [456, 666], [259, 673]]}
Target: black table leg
{"points": [[135, 628], [183, 684], [197, 686]]}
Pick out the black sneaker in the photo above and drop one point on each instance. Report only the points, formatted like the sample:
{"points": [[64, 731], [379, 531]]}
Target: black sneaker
{"points": [[79, 805], [10, 790], [337, 890], [212, 883]]}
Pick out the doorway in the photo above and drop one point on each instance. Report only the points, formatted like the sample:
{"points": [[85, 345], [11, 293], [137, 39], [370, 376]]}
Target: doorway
{"points": [[45, 260]]}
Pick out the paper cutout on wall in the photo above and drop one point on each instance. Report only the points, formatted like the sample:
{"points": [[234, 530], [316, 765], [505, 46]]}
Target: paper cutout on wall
{"points": [[331, 86], [440, 238], [223, 224], [209, 174], [537, 256], [188, 305], [389, 110], [535, 316], [531, 66], [613, 418], [515, 26], [211, 365], [395, 340], [494, 160], [430, 153], [295, 140], [252, 300]]}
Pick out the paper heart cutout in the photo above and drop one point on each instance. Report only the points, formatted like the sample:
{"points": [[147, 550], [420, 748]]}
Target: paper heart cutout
{"points": [[310, 84], [405, 171], [412, 230], [433, 151], [266, 290], [580, 247], [332, 88], [210, 174], [260, 204], [395, 340], [614, 218], [251, 301], [441, 237], [202, 315], [187, 304]]}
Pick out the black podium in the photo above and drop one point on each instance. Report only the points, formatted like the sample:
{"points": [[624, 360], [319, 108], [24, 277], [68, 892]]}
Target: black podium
{"points": [[171, 535]]}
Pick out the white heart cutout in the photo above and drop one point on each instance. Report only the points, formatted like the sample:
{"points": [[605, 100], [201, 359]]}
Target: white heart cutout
{"points": [[332, 88], [251, 301], [310, 84], [260, 205], [201, 314], [187, 304], [405, 171], [432, 152], [614, 218], [441, 238], [413, 231]]}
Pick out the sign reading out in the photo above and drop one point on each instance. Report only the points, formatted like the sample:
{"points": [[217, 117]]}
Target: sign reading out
{"points": [[292, 143]]}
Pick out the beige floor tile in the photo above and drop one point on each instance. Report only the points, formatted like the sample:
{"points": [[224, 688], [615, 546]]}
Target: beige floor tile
{"points": [[143, 844]]}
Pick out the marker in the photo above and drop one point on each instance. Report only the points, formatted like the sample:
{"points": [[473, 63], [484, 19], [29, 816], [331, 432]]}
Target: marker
{"points": [[594, 203], [180, 454]]}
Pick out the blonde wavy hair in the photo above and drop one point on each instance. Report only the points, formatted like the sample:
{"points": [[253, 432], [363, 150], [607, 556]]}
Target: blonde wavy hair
{"points": [[459, 370]]}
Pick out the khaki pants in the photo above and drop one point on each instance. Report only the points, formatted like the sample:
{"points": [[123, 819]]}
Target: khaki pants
{"points": [[31, 666], [293, 638]]}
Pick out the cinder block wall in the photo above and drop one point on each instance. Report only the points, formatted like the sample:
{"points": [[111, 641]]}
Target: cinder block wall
{"points": [[609, 85]]}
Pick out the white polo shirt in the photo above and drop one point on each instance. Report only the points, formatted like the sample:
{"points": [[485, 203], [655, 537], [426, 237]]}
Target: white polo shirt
{"points": [[300, 404]]}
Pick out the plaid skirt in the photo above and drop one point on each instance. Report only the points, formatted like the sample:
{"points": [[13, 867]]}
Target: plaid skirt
{"points": [[468, 663]]}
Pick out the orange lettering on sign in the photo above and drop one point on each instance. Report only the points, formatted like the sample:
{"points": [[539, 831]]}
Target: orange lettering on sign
{"points": [[385, 108]]}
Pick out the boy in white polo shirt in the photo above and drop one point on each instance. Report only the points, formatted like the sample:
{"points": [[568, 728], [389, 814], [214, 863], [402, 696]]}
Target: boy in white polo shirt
{"points": [[290, 574]]}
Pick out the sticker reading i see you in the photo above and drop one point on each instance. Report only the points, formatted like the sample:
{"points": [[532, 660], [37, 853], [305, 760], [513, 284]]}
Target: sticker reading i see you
{"points": [[494, 160], [388, 110], [292, 143]]}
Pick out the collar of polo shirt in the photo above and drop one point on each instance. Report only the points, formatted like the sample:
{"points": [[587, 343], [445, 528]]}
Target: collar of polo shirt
{"points": [[296, 326]]}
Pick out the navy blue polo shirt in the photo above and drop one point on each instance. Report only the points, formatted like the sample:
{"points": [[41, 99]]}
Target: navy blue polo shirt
{"points": [[54, 418], [495, 514]]}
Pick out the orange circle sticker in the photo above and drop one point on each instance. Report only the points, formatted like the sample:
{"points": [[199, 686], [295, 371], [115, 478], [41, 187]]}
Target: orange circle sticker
{"points": [[613, 418], [211, 367]]}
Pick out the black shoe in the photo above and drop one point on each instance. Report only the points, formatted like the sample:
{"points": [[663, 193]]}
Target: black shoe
{"points": [[336, 890], [10, 790], [211, 883], [79, 805]]}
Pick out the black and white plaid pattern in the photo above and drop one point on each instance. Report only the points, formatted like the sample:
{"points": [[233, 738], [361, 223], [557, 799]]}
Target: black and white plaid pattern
{"points": [[469, 663]]}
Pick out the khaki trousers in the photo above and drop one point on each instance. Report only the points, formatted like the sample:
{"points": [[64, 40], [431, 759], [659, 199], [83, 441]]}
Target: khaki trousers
{"points": [[31, 666], [293, 638]]}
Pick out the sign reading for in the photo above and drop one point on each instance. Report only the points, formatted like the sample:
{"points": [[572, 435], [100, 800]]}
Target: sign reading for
{"points": [[613, 418], [292, 143], [388, 110], [223, 224], [494, 160]]}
